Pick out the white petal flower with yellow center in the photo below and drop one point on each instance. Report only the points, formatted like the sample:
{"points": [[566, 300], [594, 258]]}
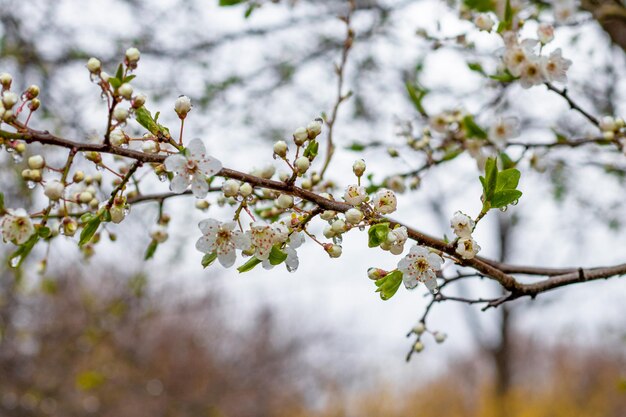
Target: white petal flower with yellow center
{"points": [[503, 129], [16, 226], [223, 239], [263, 236], [192, 168], [355, 194], [419, 265], [462, 224], [554, 67], [467, 248], [385, 201]]}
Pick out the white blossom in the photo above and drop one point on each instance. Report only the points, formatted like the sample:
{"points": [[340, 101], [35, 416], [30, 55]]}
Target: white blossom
{"points": [[517, 55], [263, 236], [532, 73], [545, 32], [467, 248], [16, 226], [223, 239], [419, 265], [292, 262], [159, 234], [385, 201], [504, 128], [554, 67], [193, 168], [484, 22], [462, 224], [564, 10], [355, 194], [396, 240]]}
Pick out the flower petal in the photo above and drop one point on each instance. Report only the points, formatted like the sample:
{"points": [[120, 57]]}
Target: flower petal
{"points": [[209, 165], [175, 163], [209, 226], [179, 184], [227, 256], [206, 244], [196, 149], [199, 186]]}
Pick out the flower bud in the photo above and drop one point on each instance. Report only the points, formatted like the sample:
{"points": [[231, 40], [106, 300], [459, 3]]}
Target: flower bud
{"points": [[419, 328], [31, 92], [339, 226], [328, 214], [93, 156], [328, 232], [159, 234], [94, 65], [6, 79], [418, 346], [126, 91], [105, 76], [118, 213], [34, 104], [284, 201], [26, 174], [78, 176], [182, 106], [9, 99], [280, 148], [393, 152], [202, 204], [54, 190], [36, 162], [245, 189], [358, 167], [334, 251], [94, 203], [69, 226], [314, 129], [84, 197], [307, 184], [35, 175], [118, 138], [302, 164], [300, 136], [607, 124], [230, 188], [376, 273], [120, 114], [138, 101], [440, 337], [132, 55], [608, 135], [354, 215]]}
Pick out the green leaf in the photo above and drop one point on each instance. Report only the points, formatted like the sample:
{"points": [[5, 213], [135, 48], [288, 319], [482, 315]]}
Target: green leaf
{"points": [[507, 162], [119, 74], [89, 229], [450, 155], [416, 94], [2, 209], [507, 179], [491, 178], [505, 77], [476, 67], [472, 130], [17, 258], [145, 119], [115, 82], [129, 79], [151, 250], [43, 231], [231, 2], [208, 259], [356, 146], [377, 234], [248, 266], [277, 256], [480, 5], [505, 197], [311, 149], [389, 284]]}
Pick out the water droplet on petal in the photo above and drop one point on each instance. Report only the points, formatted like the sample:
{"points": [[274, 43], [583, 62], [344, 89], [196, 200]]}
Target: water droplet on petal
{"points": [[124, 145], [99, 168], [17, 157], [516, 202], [503, 209], [162, 177], [30, 185]]}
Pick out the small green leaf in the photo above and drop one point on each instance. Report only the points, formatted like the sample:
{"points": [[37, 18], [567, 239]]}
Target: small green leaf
{"points": [[230, 2], [248, 266], [17, 258], [507, 162], [129, 78], [476, 67], [277, 256], [356, 146], [450, 155], [43, 231], [417, 94], [505, 77], [311, 150], [389, 284], [89, 229], [505, 197], [472, 130], [145, 119], [119, 74], [2, 209], [151, 250], [377, 234], [115, 82], [480, 5], [208, 259]]}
